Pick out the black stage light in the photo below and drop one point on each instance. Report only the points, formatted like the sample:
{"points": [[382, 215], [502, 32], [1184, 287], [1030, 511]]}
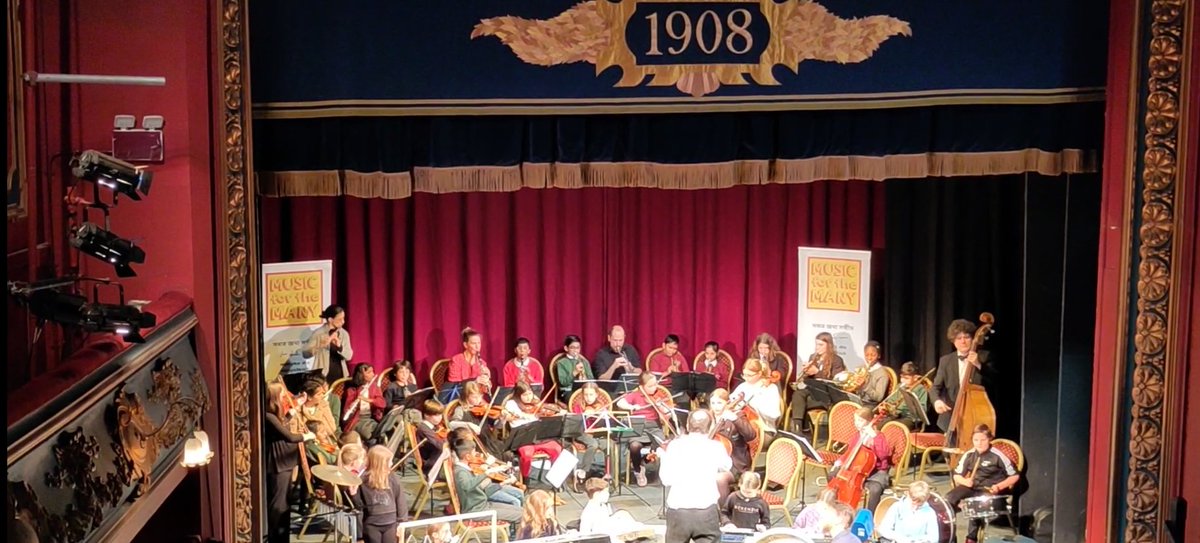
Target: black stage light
{"points": [[126, 321], [113, 173], [69, 309], [107, 246]]}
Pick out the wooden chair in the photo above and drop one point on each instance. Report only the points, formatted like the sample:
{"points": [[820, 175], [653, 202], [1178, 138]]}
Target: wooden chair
{"points": [[577, 398], [723, 358], [333, 397], [791, 367], [1013, 452], [783, 468], [896, 434], [893, 381], [438, 372], [425, 493], [478, 527], [926, 443], [552, 369], [841, 433], [757, 446]]}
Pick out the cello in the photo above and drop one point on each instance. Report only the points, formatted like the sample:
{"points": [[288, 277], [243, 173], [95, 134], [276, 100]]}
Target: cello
{"points": [[848, 483], [972, 406]]}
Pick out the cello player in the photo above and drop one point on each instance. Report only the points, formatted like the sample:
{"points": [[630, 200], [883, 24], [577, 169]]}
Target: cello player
{"points": [[879, 478]]}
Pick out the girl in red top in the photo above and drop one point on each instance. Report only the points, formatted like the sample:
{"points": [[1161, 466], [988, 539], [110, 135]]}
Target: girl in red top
{"points": [[654, 403], [469, 364]]}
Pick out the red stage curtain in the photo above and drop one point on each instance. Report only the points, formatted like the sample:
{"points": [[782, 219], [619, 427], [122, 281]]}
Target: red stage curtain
{"points": [[704, 264]]}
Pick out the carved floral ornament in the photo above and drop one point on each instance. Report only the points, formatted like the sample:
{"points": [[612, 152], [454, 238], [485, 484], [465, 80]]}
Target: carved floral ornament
{"points": [[135, 443], [1158, 180]]}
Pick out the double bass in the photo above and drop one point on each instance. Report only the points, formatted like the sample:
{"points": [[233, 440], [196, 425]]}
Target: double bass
{"points": [[972, 406]]}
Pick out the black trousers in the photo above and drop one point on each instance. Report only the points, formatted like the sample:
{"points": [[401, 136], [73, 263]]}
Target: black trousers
{"points": [[699, 525], [380, 534], [278, 520], [802, 401], [958, 494]]}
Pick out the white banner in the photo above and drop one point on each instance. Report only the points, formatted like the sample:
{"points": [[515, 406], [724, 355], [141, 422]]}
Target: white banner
{"points": [[294, 295], [835, 297]]}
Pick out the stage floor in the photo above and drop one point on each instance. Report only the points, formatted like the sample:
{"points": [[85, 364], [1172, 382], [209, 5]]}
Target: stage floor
{"points": [[645, 504]]}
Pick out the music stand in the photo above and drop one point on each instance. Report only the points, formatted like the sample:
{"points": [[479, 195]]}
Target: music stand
{"points": [[417, 399], [809, 452], [829, 393], [562, 468], [533, 432], [692, 383], [914, 407], [501, 395], [611, 386]]}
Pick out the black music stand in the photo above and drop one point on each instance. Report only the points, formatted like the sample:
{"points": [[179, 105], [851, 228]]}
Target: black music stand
{"points": [[614, 387], [810, 453], [417, 399], [501, 395], [914, 407], [692, 383], [829, 392], [533, 432]]}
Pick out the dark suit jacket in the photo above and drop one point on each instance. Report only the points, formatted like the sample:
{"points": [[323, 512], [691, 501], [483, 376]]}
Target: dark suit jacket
{"points": [[946, 382]]}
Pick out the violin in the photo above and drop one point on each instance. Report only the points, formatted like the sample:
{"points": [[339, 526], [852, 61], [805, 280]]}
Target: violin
{"points": [[481, 411], [540, 409], [481, 465]]}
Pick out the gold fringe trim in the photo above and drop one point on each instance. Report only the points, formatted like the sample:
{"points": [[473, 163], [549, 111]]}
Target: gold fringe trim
{"points": [[389, 186], [674, 176], [304, 183]]}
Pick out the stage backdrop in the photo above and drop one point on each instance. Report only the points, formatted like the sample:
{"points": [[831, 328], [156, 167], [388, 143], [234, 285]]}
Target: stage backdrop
{"points": [[835, 297], [706, 265], [314, 58]]}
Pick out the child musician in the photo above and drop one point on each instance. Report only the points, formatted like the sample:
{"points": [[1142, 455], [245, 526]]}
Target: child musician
{"points": [[654, 403], [523, 409]]}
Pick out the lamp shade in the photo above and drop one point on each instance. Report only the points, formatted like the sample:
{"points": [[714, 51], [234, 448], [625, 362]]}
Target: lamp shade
{"points": [[196, 451]]}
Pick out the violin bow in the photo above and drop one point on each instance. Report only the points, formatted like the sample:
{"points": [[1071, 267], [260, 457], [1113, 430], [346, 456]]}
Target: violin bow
{"points": [[486, 412], [409, 453]]}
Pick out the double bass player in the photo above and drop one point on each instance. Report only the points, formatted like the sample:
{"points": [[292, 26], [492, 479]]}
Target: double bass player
{"points": [[951, 367]]}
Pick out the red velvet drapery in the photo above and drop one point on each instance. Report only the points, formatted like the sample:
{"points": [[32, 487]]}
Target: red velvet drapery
{"points": [[706, 264]]}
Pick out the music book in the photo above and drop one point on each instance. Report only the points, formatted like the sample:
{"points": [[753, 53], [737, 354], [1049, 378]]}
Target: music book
{"points": [[829, 392]]}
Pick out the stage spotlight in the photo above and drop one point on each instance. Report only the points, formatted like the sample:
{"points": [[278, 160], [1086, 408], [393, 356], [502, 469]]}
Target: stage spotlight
{"points": [[74, 310], [116, 174], [124, 320], [107, 246]]}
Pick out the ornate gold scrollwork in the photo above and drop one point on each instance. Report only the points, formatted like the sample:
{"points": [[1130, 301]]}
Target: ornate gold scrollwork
{"points": [[1159, 128]]}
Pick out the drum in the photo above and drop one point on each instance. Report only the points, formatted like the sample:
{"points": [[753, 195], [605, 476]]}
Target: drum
{"points": [[941, 508], [985, 507], [945, 516]]}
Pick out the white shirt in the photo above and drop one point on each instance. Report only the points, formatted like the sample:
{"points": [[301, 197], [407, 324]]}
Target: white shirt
{"points": [[764, 399], [902, 524], [962, 366], [594, 517], [521, 418], [689, 467]]}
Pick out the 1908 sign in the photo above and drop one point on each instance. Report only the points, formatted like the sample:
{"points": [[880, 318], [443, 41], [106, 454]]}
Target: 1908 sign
{"points": [[695, 45]]}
